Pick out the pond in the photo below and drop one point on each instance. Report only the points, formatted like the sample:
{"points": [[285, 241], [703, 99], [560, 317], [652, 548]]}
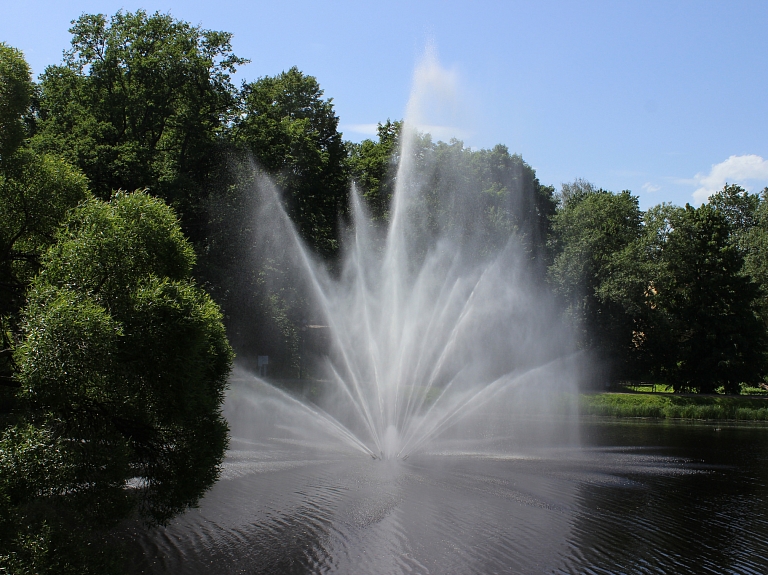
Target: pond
{"points": [[635, 497]]}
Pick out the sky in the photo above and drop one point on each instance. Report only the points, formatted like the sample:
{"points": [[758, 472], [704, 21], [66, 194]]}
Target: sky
{"points": [[667, 99]]}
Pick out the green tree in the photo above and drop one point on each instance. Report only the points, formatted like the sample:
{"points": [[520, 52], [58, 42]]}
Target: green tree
{"points": [[35, 193], [715, 336], [488, 193], [739, 208], [122, 369], [373, 167], [142, 102], [15, 92], [598, 271], [288, 131], [292, 131], [755, 246], [513, 197]]}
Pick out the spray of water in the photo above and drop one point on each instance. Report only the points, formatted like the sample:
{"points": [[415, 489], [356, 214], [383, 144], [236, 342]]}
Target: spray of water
{"points": [[429, 322]]}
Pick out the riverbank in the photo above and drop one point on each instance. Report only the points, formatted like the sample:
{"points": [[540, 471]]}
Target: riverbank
{"points": [[673, 406]]}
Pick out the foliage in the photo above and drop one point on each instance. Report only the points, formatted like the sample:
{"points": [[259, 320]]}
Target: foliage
{"points": [[35, 193], [286, 129], [15, 92], [753, 242], [575, 190], [512, 200], [122, 367], [714, 335], [598, 271], [665, 293], [483, 196], [293, 134], [239, 256], [740, 209], [141, 102], [373, 167]]}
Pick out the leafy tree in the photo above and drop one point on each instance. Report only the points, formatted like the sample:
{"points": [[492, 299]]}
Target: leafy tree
{"points": [[141, 102], [753, 237], [515, 200], [494, 189], [122, 369], [598, 271], [15, 92], [715, 336], [373, 168], [739, 208], [484, 195], [35, 193], [575, 191], [292, 131]]}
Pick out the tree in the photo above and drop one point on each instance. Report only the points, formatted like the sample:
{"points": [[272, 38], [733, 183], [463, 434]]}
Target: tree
{"points": [[487, 193], [35, 193], [753, 241], [515, 200], [142, 102], [293, 134], [575, 190], [15, 91], [290, 130], [598, 271], [715, 336], [739, 208], [373, 167], [122, 369]]}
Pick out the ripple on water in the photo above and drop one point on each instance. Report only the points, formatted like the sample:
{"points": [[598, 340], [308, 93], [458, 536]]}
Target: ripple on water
{"points": [[607, 509]]}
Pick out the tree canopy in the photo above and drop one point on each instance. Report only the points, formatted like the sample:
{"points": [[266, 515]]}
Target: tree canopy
{"points": [[595, 235], [113, 362], [122, 367], [36, 190], [717, 336], [292, 132], [141, 101], [669, 294], [15, 92]]}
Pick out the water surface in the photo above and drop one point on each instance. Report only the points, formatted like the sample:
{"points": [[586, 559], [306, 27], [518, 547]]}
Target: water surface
{"points": [[637, 497]]}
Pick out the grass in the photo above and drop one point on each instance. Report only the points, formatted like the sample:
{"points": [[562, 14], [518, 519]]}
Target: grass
{"points": [[648, 386], [671, 406]]}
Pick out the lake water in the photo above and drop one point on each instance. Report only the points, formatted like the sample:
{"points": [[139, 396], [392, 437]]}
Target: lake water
{"points": [[636, 497]]}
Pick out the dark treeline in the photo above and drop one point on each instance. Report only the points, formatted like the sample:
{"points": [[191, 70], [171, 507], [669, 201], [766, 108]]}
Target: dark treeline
{"points": [[127, 209], [675, 295]]}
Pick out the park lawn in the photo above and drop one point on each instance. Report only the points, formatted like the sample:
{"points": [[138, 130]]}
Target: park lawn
{"points": [[672, 406]]}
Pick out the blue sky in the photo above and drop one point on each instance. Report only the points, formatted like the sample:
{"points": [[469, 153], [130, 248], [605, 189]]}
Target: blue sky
{"points": [[667, 99]]}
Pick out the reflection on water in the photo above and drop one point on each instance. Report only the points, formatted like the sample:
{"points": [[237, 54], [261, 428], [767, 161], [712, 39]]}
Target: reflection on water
{"points": [[637, 498]]}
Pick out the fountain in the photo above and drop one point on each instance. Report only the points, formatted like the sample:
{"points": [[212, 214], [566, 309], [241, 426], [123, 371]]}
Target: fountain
{"points": [[429, 322]]}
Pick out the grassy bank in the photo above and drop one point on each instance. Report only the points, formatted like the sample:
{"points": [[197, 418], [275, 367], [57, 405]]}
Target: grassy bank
{"points": [[669, 406]]}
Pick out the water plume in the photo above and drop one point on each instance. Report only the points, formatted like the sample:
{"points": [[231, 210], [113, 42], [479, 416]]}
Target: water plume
{"points": [[439, 318]]}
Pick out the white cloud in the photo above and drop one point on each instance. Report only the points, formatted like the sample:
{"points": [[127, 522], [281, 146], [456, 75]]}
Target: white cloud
{"points": [[650, 188], [367, 129], [734, 170]]}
